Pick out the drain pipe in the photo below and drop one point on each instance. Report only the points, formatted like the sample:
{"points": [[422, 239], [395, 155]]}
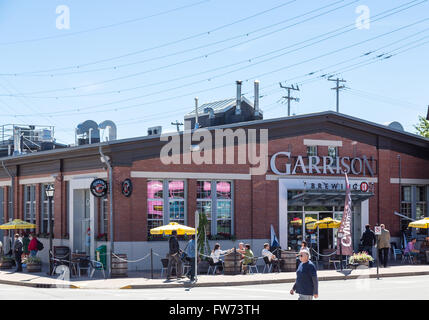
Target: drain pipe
{"points": [[12, 185], [106, 160]]}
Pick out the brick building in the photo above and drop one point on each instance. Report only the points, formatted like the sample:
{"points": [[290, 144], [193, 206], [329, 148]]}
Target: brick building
{"points": [[388, 170]]}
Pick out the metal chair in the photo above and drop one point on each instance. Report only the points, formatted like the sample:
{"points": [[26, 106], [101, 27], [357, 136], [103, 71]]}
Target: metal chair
{"points": [[253, 266], [407, 257], [59, 256], [84, 264], [212, 266], [268, 266], [96, 265], [164, 266]]}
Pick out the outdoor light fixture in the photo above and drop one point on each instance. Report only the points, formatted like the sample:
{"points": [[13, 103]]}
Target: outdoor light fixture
{"points": [[50, 191]]}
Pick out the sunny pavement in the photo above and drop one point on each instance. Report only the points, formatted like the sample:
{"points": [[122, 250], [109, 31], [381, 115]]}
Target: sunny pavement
{"points": [[136, 281]]}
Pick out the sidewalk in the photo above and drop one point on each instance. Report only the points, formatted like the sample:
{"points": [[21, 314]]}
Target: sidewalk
{"points": [[136, 281]]}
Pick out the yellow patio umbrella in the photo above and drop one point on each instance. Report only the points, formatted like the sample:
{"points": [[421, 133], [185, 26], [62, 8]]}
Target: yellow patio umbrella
{"points": [[167, 229], [17, 224], [326, 223], [423, 224], [299, 221]]}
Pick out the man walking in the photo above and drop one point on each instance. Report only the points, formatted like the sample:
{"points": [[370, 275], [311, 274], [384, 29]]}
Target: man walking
{"points": [[174, 256], [306, 285], [190, 251], [17, 250], [368, 241], [383, 245]]}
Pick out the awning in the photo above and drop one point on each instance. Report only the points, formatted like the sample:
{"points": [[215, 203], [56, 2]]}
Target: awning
{"points": [[326, 198]]}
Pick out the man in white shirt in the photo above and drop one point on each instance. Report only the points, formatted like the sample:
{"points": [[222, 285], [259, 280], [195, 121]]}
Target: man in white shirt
{"points": [[271, 257]]}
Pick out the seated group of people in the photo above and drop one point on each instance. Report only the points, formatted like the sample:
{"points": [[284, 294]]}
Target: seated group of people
{"points": [[423, 253]]}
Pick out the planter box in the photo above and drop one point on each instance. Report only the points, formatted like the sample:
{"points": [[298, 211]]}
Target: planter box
{"points": [[34, 267], [6, 265]]}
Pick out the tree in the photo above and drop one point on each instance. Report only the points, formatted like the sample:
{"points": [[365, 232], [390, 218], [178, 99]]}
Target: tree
{"points": [[203, 243], [422, 127]]}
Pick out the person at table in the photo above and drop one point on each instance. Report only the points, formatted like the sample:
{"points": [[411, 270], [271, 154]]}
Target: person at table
{"points": [[411, 250], [304, 246], [241, 249], [272, 259], [216, 256], [248, 258], [424, 250]]}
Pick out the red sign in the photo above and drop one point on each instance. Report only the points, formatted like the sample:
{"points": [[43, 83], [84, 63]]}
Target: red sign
{"points": [[364, 186]]}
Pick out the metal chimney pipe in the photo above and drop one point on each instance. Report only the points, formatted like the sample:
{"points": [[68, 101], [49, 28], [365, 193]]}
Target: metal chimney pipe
{"points": [[197, 125], [238, 104], [16, 141], [256, 103]]}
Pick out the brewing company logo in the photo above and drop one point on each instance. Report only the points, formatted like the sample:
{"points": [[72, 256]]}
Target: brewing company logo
{"points": [[127, 187], [99, 188], [364, 186]]}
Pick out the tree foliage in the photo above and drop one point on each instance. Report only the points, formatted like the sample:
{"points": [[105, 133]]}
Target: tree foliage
{"points": [[422, 127], [203, 243]]}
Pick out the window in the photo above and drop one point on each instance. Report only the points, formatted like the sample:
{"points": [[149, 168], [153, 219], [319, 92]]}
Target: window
{"points": [[312, 151], [30, 203], [217, 206], [405, 206], [421, 206], [333, 152], [164, 209], [204, 201], [155, 204], [44, 217]]}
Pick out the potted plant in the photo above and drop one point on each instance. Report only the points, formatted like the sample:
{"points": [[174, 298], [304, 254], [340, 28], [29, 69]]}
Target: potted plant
{"points": [[361, 258], [34, 264], [6, 262]]}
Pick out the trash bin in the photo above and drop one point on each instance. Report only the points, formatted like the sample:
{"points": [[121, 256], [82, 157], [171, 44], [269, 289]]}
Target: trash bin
{"points": [[100, 255]]}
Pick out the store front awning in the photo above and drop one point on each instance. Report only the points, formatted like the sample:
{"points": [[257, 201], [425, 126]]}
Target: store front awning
{"points": [[326, 198]]}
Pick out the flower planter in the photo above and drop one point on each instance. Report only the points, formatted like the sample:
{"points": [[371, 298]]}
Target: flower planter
{"points": [[34, 267], [7, 264]]}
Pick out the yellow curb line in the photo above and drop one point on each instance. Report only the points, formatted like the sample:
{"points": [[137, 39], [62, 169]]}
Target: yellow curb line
{"points": [[127, 287]]}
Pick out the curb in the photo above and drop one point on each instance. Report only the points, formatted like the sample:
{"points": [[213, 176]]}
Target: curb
{"points": [[215, 284]]}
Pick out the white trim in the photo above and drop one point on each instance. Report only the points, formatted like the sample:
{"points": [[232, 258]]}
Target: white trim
{"points": [[6, 183], [325, 143], [273, 177], [48, 179], [190, 175], [101, 175], [409, 181], [364, 213]]}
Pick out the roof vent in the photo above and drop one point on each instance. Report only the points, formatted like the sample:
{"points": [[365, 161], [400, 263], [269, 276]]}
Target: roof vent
{"points": [[153, 131], [396, 126]]}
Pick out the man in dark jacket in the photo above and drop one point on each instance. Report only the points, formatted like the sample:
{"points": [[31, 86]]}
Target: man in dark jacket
{"points": [[17, 250], [368, 241], [174, 256], [306, 285]]}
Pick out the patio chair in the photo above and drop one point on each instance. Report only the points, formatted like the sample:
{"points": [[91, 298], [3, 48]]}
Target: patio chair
{"points": [[164, 263], [268, 266], [84, 264], [253, 266], [213, 266], [59, 256], [186, 267], [407, 257], [96, 265]]}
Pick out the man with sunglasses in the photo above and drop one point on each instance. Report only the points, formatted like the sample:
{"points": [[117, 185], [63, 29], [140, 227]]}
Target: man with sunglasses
{"points": [[306, 284]]}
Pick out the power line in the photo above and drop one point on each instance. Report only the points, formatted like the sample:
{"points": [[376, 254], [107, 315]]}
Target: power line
{"points": [[105, 26], [226, 73]]}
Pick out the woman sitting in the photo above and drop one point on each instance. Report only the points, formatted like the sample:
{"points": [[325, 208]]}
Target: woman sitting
{"points": [[248, 258], [215, 255]]}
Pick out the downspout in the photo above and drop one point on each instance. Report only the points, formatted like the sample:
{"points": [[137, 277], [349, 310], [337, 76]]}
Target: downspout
{"points": [[12, 186], [106, 161]]}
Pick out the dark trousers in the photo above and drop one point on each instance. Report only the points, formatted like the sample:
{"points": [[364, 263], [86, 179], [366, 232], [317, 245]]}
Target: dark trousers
{"points": [[18, 261], [383, 255], [174, 259], [192, 271]]}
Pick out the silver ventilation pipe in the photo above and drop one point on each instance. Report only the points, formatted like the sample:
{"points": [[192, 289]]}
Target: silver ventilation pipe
{"points": [[256, 103], [197, 125], [238, 104]]}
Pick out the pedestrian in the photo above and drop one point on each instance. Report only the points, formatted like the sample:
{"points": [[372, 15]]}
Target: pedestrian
{"points": [[190, 251], [383, 245], [25, 243], [17, 250], [307, 284], [32, 247], [368, 241], [174, 256]]}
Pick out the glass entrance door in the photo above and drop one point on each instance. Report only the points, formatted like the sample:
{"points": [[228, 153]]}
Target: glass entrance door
{"points": [[311, 236]]}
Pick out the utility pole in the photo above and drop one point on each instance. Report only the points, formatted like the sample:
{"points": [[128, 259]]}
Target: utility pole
{"points": [[338, 88], [289, 98], [177, 124]]}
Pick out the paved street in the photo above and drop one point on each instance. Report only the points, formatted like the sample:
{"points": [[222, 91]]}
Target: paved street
{"points": [[409, 288]]}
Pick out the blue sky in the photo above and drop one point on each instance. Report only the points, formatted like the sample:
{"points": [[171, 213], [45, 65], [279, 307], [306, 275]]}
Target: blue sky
{"points": [[123, 61]]}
